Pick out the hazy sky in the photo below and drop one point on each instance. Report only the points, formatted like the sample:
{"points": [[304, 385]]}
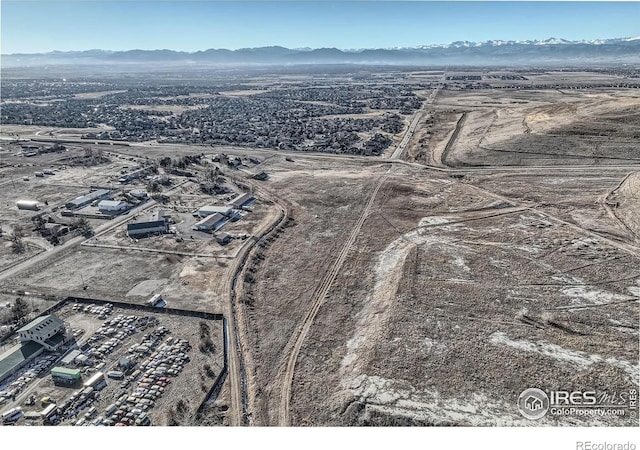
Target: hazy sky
{"points": [[39, 26]]}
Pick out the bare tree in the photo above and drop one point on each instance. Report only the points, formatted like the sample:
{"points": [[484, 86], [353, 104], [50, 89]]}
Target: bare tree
{"points": [[20, 308]]}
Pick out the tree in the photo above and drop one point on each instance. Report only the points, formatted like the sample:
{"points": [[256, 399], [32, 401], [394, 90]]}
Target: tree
{"points": [[17, 244], [83, 227], [20, 308], [153, 186], [165, 162]]}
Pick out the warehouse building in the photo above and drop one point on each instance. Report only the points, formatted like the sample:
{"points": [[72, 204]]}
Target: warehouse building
{"points": [[210, 222], [143, 229], [212, 209], [241, 200], [17, 357], [112, 206], [48, 331], [84, 200]]}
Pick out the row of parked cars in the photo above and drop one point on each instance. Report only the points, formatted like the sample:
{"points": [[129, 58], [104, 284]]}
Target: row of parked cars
{"points": [[101, 310], [24, 376]]}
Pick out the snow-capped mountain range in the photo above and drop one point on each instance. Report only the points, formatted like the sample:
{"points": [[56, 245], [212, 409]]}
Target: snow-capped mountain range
{"points": [[554, 51]]}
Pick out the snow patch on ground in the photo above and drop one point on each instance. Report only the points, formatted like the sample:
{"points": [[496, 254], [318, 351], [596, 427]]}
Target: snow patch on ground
{"points": [[396, 397], [589, 295], [459, 261], [388, 272], [432, 220], [574, 357]]}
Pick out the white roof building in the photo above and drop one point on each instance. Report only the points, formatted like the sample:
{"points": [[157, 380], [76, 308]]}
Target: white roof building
{"points": [[212, 209], [241, 200], [112, 205], [209, 222]]}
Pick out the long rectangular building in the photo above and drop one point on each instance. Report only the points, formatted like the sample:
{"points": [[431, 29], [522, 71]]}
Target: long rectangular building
{"points": [[84, 200], [241, 200], [212, 209], [209, 222], [142, 229]]}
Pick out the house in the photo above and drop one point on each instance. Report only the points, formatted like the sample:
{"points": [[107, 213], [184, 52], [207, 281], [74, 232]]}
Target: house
{"points": [[262, 175], [241, 200], [208, 223], [142, 229], [49, 331], [112, 206], [84, 200], [212, 209], [54, 229]]}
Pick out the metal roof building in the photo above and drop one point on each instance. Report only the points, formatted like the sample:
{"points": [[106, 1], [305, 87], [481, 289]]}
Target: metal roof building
{"points": [[46, 330], [84, 200], [142, 229], [112, 205], [209, 222], [18, 356], [241, 200], [212, 209], [63, 372]]}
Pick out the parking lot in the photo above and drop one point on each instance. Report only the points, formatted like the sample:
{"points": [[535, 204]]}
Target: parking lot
{"points": [[132, 367]]}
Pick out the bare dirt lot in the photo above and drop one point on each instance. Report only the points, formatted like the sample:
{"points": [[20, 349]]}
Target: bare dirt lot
{"points": [[444, 318], [532, 127]]}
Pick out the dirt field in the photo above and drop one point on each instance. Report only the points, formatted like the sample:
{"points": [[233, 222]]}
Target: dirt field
{"points": [[425, 326], [532, 127]]}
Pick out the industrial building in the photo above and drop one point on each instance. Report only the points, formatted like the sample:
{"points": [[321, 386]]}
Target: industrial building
{"points": [[30, 205], [142, 229], [210, 222], [17, 357], [212, 209], [48, 331], [223, 238], [79, 202], [112, 206], [241, 200]]}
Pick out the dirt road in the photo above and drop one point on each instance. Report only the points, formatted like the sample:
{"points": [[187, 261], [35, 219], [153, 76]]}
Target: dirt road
{"points": [[317, 301]]}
